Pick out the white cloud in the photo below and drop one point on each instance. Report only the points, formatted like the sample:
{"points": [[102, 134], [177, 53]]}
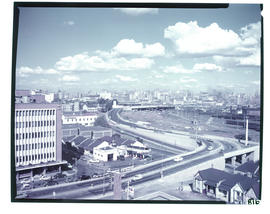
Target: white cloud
{"points": [[207, 67], [129, 46], [187, 80], [138, 11], [26, 71], [256, 82], [178, 69], [84, 62], [191, 39], [69, 78], [126, 78], [70, 23], [158, 76]]}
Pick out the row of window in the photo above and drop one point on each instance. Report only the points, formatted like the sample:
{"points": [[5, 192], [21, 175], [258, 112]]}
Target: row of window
{"points": [[21, 136], [35, 123], [35, 113], [35, 146], [80, 119], [35, 157]]}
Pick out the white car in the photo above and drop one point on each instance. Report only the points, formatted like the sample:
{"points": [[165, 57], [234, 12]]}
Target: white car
{"points": [[26, 186], [137, 177], [210, 148], [93, 161], [178, 159], [45, 177], [26, 180], [69, 166]]}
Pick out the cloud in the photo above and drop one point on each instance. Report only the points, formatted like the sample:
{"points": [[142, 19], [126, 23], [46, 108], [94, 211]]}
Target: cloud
{"points": [[69, 78], [158, 76], [129, 47], [187, 80], [84, 62], [126, 78], [178, 69], [69, 23], [25, 71], [138, 11], [192, 40], [256, 82], [207, 67]]}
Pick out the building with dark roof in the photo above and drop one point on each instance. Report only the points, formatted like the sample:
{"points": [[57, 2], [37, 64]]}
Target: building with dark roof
{"points": [[250, 168], [93, 132], [232, 188]]}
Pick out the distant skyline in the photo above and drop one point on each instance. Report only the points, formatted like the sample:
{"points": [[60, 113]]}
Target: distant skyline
{"points": [[83, 49]]}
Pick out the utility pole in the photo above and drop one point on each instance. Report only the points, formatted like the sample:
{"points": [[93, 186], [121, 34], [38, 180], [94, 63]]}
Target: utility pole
{"points": [[246, 142]]}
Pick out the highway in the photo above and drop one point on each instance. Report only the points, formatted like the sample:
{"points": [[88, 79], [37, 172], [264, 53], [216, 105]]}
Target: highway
{"points": [[150, 171]]}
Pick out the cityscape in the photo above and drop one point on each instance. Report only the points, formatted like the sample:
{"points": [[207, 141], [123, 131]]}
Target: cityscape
{"points": [[172, 112]]}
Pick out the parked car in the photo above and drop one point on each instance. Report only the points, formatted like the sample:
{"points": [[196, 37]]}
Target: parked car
{"points": [[26, 186], [85, 177], [26, 180], [45, 177]]}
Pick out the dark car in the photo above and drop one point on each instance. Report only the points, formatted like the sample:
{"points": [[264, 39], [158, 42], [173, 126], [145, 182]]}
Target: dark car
{"points": [[85, 177]]}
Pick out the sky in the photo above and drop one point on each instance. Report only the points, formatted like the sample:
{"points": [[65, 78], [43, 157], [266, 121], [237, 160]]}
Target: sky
{"points": [[91, 49]]}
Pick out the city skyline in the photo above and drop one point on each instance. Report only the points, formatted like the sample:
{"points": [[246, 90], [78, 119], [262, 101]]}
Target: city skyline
{"points": [[81, 49]]}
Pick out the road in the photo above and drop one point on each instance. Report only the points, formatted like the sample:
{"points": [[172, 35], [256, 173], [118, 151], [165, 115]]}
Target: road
{"points": [[151, 171]]}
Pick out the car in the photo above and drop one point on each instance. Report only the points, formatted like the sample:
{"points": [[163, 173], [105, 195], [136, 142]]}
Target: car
{"points": [[137, 177], [45, 177], [25, 181], [93, 161], [178, 159], [26, 186], [69, 166], [85, 177], [210, 148]]}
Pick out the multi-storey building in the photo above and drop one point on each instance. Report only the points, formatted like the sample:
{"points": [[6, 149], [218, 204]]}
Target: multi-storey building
{"points": [[38, 136], [86, 119]]}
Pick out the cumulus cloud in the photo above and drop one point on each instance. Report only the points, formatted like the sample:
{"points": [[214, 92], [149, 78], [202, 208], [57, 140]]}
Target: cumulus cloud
{"points": [[187, 80], [129, 46], [138, 11], [26, 71], [207, 67], [192, 40], [69, 78], [126, 78], [178, 69], [84, 62]]}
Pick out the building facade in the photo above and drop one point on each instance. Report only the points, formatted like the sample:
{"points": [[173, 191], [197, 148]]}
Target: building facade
{"points": [[38, 135], [86, 119]]}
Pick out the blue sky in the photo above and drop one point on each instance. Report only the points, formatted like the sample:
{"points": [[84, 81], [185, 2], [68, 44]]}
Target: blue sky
{"points": [[82, 49]]}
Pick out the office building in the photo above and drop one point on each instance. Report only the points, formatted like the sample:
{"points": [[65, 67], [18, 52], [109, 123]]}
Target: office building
{"points": [[38, 138]]}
